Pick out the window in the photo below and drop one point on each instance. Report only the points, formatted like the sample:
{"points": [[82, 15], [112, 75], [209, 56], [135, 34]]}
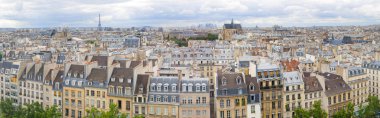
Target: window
{"points": [[222, 103], [221, 114], [174, 99], [189, 100], [228, 103], [119, 104], [198, 100], [165, 111], [174, 111], [252, 88], [237, 102], [224, 81], [174, 87], [128, 105], [203, 100], [198, 87], [253, 109], [228, 114], [151, 110], [152, 87], [166, 87]]}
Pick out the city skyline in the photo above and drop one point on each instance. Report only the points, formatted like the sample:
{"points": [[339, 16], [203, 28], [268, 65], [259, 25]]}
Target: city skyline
{"points": [[169, 13]]}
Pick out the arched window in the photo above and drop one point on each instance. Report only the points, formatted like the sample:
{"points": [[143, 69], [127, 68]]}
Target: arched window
{"points": [[224, 81], [184, 87], [152, 87], [203, 87], [251, 87], [238, 80], [190, 87], [197, 87]]}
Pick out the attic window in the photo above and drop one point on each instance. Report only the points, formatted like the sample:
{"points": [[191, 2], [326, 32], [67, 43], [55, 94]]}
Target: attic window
{"points": [[174, 87], [224, 81], [67, 82], [121, 80], [141, 89], [238, 80], [112, 79], [129, 80], [89, 83], [251, 87], [73, 82], [203, 87]]}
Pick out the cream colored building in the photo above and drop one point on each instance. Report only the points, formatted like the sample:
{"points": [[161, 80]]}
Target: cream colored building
{"points": [[293, 92]]}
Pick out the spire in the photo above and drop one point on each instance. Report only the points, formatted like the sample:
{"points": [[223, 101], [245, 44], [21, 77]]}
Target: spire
{"points": [[232, 21]]}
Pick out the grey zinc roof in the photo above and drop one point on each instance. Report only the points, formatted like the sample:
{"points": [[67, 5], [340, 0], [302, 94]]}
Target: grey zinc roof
{"points": [[194, 82]]}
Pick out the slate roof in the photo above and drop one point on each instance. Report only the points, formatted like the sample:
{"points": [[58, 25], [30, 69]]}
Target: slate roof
{"points": [[102, 60], [142, 81], [125, 74], [334, 84], [232, 26], [312, 84], [252, 81], [97, 75]]}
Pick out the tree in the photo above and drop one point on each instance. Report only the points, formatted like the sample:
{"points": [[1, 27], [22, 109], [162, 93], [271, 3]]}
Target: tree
{"points": [[113, 112], [8, 110], [347, 112], [34, 110], [317, 111], [301, 113], [371, 110]]}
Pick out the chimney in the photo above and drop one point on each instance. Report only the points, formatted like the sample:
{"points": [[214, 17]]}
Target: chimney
{"points": [[180, 75]]}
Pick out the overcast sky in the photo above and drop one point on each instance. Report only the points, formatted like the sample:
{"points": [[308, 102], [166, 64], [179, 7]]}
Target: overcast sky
{"points": [[127, 13]]}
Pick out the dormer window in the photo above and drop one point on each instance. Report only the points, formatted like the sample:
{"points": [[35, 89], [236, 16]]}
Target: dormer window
{"points": [[159, 86], [69, 74], [203, 87], [112, 79], [152, 87], [67, 82], [121, 80], [184, 87], [252, 87], [73, 82], [89, 83], [238, 80], [129, 80], [166, 87], [197, 87], [141, 89], [79, 83], [174, 87], [80, 75], [57, 85], [224, 81], [190, 87]]}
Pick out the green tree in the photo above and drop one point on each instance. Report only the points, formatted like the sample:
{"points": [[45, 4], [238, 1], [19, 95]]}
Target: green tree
{"points": [[113, 112], [8, 110], [317, 112], [347, 112], [371, 109], [301, 113]]}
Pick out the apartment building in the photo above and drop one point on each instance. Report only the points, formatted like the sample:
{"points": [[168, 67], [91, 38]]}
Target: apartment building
{"points": [[120, 89], [253, 98], [313, 90], [358, 80], [164, 97], [373, 72], [195, 98], [95, 88], [337, 92], [293, 92], [140, 95], [271, 87], [73, 89], [9, 82], [231, 95], [53, 88]]}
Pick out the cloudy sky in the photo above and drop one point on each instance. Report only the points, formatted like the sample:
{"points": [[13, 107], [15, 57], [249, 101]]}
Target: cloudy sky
{"points": [[127, 13]]}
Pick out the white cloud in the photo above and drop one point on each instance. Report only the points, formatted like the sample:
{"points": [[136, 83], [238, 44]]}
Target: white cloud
{"points": [[42, 13]]}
